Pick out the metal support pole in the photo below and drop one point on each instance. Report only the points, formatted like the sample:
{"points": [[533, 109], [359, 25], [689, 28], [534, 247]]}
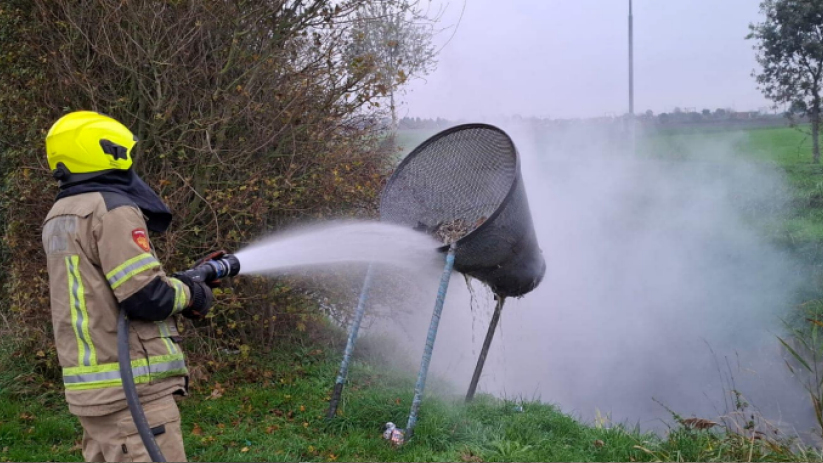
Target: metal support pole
{"points": [[355, 327], [632, 135], [478, 369], [427, 352]]}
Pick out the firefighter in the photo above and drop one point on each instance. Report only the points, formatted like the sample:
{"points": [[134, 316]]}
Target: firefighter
{"points": [[100, 261]]}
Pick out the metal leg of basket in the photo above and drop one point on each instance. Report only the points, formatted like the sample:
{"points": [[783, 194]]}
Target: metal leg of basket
{"points": [[427, 352], [355, 327], [478, 369]]}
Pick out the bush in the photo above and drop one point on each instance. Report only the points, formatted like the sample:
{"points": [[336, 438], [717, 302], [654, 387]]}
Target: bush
{"points": [[249, 119]]}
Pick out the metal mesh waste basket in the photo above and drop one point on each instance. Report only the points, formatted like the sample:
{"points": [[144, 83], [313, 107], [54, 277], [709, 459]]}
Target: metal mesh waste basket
{"points": [[464, 185]]}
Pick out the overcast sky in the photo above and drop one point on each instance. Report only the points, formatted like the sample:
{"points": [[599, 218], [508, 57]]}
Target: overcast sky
{"points": [[568, 58]]}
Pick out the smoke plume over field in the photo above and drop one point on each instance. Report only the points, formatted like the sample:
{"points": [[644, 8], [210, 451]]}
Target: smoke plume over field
{"points": [[660, 287]]}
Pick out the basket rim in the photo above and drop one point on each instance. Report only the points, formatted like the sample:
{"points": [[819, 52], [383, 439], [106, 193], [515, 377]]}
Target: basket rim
{"points": [[458, 128]]}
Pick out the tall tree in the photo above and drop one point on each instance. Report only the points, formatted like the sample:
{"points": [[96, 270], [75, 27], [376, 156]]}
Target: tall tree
{"points": [[790, 51], [393, 38]]}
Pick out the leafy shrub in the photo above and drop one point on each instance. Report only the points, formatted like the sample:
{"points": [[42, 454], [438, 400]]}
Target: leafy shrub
{"points": [[249, 119]]}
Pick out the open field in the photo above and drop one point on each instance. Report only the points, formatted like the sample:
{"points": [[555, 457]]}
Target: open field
{"points": [[407, 140], [788, 149]]}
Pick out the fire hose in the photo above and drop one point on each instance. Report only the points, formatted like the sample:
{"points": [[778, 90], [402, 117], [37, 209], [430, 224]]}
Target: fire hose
{"points": [[210, 271]]}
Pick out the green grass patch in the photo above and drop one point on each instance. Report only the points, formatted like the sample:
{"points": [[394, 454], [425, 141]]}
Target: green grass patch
{"points": [[35, 424], [784, 146], [271, 407]]}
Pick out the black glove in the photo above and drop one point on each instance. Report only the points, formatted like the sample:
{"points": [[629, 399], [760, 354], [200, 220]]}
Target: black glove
{"points": [[201, 297]]}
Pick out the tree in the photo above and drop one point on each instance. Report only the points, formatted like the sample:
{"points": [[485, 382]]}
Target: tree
{"points": [[707, 113], [393, 39], [790, 51]]}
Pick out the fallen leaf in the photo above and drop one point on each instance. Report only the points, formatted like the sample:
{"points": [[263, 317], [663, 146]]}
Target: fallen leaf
{"points": [[244, 449], [217, 392], [198, 374], [470, 457], [197, 431], [599, 443], [699, 423]]}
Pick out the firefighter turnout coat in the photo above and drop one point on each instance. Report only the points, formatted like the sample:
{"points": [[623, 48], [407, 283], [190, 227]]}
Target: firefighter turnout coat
{"points": [[100, 261]]}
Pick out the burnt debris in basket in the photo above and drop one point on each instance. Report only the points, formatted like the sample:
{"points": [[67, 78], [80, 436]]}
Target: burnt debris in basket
{"points": [[453, 230]]}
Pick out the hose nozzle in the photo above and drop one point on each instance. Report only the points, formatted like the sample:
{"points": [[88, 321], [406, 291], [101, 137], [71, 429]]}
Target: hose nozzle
{"points": [[226, 265]]}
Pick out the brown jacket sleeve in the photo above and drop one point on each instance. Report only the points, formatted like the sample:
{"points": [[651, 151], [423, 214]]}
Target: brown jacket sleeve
{"points": [[133, 272]]}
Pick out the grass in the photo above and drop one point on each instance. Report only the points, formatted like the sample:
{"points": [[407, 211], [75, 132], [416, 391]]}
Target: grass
{"points": [[787, 149], [271, 407], [784, 146], [34, 422]]}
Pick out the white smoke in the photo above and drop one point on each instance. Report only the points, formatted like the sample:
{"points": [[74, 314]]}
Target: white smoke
{"points": [[660, 286]]}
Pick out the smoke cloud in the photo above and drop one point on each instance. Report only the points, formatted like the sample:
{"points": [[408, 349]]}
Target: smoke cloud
{"points": [[661, 288]]}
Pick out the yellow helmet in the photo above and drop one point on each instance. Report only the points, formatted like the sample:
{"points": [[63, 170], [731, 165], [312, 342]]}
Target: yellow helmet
{"points": [[84, 144]]}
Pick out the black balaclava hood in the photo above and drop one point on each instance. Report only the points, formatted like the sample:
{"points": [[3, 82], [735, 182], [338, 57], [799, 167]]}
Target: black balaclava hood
{"points": [[126, 182]]}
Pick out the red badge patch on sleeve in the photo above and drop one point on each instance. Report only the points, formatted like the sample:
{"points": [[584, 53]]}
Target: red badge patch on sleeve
{"points": [[139, 236]]}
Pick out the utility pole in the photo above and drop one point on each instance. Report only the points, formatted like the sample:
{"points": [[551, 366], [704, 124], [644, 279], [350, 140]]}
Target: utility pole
{"points": [[632, 146]]}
